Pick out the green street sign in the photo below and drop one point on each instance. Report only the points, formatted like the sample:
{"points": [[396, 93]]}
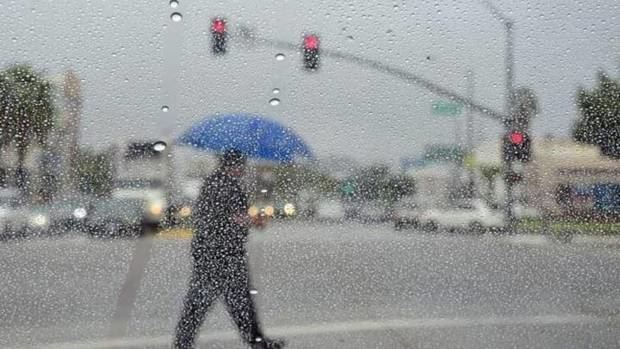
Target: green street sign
{"points": [[348, 188], [446, 108]]}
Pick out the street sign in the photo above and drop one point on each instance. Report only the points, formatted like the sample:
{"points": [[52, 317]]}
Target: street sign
{"points": [[348, 188], [446, 108]]}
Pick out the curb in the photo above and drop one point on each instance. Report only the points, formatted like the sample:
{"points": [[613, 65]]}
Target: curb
{"points": [[175, 234], [598, 241]]}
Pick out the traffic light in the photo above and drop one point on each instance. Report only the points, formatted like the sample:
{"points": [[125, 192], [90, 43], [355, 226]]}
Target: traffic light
{"points": [[517, 146], [311, 53], [218, 36]]}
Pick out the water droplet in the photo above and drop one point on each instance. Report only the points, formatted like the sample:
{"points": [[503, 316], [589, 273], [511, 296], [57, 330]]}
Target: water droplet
{"points": [[165, 108], [159, 146], [276, 91], [274, 101], [176, 17], [253, 292], [174, 3], [280, 57]]}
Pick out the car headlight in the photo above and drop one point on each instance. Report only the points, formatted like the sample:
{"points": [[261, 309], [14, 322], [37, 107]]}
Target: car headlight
{"points": [[253, 211], [269, 210], [185, 211], [79, 213], [156, 209], [289, 209], [38, 220]]}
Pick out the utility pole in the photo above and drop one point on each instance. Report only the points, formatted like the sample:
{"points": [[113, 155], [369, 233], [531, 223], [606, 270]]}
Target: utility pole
{"points": [[469, 126], [509, 108], [509, 119], [73, 107], [469, 117]]}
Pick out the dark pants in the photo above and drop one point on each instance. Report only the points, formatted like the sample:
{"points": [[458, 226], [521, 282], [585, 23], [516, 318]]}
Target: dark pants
{"points": [[216, 274]]}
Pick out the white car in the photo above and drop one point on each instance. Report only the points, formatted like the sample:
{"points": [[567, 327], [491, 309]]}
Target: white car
{"points": [[11, 222], [522, 211], [475, 216], [14, 220], [330, 210], [23, 221], [153, 201]]}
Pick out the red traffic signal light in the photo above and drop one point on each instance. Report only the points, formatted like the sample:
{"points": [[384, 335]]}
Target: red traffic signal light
{"points": [[517, 146], [311, 42], [517, 137], [218, 36], [310, 48], [218, 25]]}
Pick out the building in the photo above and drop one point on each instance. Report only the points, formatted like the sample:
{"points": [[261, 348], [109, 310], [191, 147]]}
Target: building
{"points": [[562, 178]]}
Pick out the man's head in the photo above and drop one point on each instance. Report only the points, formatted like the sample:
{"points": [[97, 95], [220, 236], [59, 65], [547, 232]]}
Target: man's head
{"points": [[233, 162]]}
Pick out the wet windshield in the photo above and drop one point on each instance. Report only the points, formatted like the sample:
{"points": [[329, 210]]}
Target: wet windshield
{"points": [[310, 174]]}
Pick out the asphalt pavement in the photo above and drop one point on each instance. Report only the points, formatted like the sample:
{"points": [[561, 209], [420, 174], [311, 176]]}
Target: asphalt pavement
{"points": [[320, 286]]}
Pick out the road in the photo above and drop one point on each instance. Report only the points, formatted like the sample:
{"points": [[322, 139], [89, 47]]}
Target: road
{"points": [[324, 286]]}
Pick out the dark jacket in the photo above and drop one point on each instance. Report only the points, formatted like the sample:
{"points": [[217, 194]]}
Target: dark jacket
{"points": [[221, 198]]}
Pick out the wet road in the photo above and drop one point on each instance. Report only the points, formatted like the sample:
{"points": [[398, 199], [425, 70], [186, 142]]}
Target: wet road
{"points": [[324, 286]]}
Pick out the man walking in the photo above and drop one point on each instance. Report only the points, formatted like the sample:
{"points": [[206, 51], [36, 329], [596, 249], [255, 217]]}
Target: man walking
{"points": [[220, 265]]}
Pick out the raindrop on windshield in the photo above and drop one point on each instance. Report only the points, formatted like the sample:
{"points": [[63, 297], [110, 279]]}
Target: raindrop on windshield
{"points": [[176, 17], [274, 101], [280, 57], [276, 91], [174, 4], [165, 108], [159, 146]]}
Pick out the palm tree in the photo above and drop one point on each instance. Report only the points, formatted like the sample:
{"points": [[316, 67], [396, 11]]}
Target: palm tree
{"points": [[26, 111]]}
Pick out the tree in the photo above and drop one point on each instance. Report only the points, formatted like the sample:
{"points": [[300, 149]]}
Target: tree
{"points": [[26, 111], [599, 123], [94, 172], [526, 107]]}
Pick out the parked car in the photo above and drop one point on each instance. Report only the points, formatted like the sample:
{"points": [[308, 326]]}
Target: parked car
{"points": [[475, 216]]}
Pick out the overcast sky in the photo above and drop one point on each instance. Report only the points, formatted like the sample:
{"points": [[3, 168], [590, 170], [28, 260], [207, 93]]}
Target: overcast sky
{"points": [[133, 59]]}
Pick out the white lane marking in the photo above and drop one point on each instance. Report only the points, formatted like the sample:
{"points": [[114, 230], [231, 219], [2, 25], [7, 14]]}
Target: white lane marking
{"points": [[345, 327]]}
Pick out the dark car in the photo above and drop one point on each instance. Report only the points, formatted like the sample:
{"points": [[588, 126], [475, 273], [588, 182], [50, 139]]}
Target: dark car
{"points": [[68, 213], [114, 217]]}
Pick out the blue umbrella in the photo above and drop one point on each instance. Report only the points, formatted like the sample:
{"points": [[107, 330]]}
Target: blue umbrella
{"points": [[254, 135]]}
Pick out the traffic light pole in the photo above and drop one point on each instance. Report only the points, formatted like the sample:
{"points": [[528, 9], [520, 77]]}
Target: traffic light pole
{"points": [[400, 73], [508, 121], [469, 125], [509, 113]]}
